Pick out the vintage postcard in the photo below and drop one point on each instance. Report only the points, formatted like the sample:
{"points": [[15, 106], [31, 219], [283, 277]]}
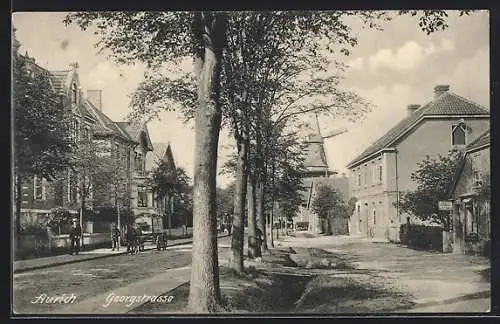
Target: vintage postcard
{"points": [[251, 162]]}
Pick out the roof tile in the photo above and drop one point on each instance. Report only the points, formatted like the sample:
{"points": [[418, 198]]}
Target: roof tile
{"points": [[447, 104]]}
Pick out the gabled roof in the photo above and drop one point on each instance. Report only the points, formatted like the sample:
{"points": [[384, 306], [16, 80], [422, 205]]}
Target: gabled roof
{"points": [[447, 104], [483, 140], [135, 130], [59, 79], [161, 152], [105, 126]]}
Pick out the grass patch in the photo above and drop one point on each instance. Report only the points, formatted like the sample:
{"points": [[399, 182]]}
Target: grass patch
{"points": [[328, 294], [312, 258]]}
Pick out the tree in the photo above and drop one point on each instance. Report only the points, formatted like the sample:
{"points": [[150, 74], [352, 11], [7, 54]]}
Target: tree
{"points": [[172, 186], [157, 37], [86, 163], [41, 133], [328, 204], [433, 178], [111, 183]]}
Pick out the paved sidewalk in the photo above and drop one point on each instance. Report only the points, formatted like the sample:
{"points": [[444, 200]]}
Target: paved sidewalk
{"points": [[47, 262]]}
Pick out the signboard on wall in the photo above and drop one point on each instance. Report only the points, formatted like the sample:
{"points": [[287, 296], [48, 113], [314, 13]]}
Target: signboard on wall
{"points": [[445, 205]]}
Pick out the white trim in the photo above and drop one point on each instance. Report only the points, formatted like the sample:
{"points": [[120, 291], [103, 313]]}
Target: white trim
{"points": [[463, 127]]}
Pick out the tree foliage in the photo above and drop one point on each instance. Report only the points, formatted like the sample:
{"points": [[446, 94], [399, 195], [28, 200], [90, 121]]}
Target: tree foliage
{"points": [[328, 203], [433, 178], [41, 134]]}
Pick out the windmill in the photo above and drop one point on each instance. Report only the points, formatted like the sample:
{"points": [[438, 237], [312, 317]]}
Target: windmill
{"points": [[320, 138]]}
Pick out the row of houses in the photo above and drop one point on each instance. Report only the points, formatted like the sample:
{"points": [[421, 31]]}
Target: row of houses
{"points": [[130, 143]]}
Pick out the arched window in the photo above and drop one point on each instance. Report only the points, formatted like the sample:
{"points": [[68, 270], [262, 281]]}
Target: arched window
{"points": [[458, 134], [74, 93]]}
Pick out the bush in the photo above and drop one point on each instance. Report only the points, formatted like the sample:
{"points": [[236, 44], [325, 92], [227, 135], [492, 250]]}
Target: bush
{"points": [[422, 236]]}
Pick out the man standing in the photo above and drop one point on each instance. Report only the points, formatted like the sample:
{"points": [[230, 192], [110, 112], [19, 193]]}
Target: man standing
{"points": [[74, 236], [115, 237]]}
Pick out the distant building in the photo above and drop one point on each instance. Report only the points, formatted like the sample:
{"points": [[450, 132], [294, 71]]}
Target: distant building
{"points": [[471, 226], [318, 173], [162, 153], [383, 170]]}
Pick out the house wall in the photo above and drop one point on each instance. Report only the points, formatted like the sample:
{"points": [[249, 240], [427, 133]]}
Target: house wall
{"points": [[431, 137], [470, 214]]}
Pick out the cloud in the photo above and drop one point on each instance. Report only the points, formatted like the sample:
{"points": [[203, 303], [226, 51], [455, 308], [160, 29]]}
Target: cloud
{"points": [[407, 57], [390, 108], [447, 46], [356, 64], [470, 78]]}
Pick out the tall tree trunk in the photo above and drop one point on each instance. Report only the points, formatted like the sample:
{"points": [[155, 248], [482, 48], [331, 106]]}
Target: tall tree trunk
{"points": [[204, 290], [253, 246], [260, 216], [240, 194], [271, 221]]}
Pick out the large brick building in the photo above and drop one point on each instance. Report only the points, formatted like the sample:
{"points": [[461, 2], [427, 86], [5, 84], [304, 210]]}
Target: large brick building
{"points": [[383, 170], [128, 142]]}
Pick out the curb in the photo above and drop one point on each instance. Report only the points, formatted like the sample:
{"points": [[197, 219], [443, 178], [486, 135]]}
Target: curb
{"points": [[50, 265]]}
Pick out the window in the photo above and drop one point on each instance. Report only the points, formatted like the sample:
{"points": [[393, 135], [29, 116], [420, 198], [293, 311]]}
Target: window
{"points": [[38, 188], [76, 129], [458, 134], [374, 217], [117, 151], [379, 173], [86, 132], [477, 178], [142, 198], [359, 179], [74, 93]]}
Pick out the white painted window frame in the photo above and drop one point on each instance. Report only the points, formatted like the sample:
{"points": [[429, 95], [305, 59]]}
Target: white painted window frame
{"points": [[464, 129]]}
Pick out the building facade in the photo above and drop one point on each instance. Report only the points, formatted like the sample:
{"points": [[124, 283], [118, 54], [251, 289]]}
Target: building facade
{"points": [[471, 222], [128, 142], [383, 170]]}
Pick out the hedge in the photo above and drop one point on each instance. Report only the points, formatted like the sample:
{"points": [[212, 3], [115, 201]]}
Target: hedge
{"points": [[422, 236]]}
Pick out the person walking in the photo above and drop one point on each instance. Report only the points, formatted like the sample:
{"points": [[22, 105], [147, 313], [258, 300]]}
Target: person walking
{"points": [[115, 237], [130, 239], [75, 235]]}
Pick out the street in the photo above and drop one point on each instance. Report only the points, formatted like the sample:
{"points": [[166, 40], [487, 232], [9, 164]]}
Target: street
{"points": [[413, 281], [93, 277]]}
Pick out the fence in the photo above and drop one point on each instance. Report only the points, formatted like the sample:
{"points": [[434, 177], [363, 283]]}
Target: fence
{"points": [[422, 237]]}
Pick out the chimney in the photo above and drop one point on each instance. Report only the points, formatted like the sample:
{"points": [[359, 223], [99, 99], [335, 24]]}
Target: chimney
{"points": [[412, 108], [440, 89], [95, 98]]}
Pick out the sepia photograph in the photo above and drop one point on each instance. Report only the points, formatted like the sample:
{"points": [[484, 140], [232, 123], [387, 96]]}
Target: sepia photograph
{"points": [[250, 162]]}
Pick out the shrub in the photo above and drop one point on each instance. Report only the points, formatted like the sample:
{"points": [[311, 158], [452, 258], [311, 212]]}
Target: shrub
{"points": [[422, 236]]}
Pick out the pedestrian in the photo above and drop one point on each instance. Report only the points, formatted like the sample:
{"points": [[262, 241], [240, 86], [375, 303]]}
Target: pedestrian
{"points": [[259, 237], [75, 235], [130, 239], [115, 237], [138, 239]]}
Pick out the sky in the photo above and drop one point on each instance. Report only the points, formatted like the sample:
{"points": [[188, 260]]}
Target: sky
{"points": [[392, 68]]}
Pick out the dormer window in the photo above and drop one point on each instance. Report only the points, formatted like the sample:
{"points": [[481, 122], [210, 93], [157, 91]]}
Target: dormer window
{"points": [[74, 93], [458, 134]]}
